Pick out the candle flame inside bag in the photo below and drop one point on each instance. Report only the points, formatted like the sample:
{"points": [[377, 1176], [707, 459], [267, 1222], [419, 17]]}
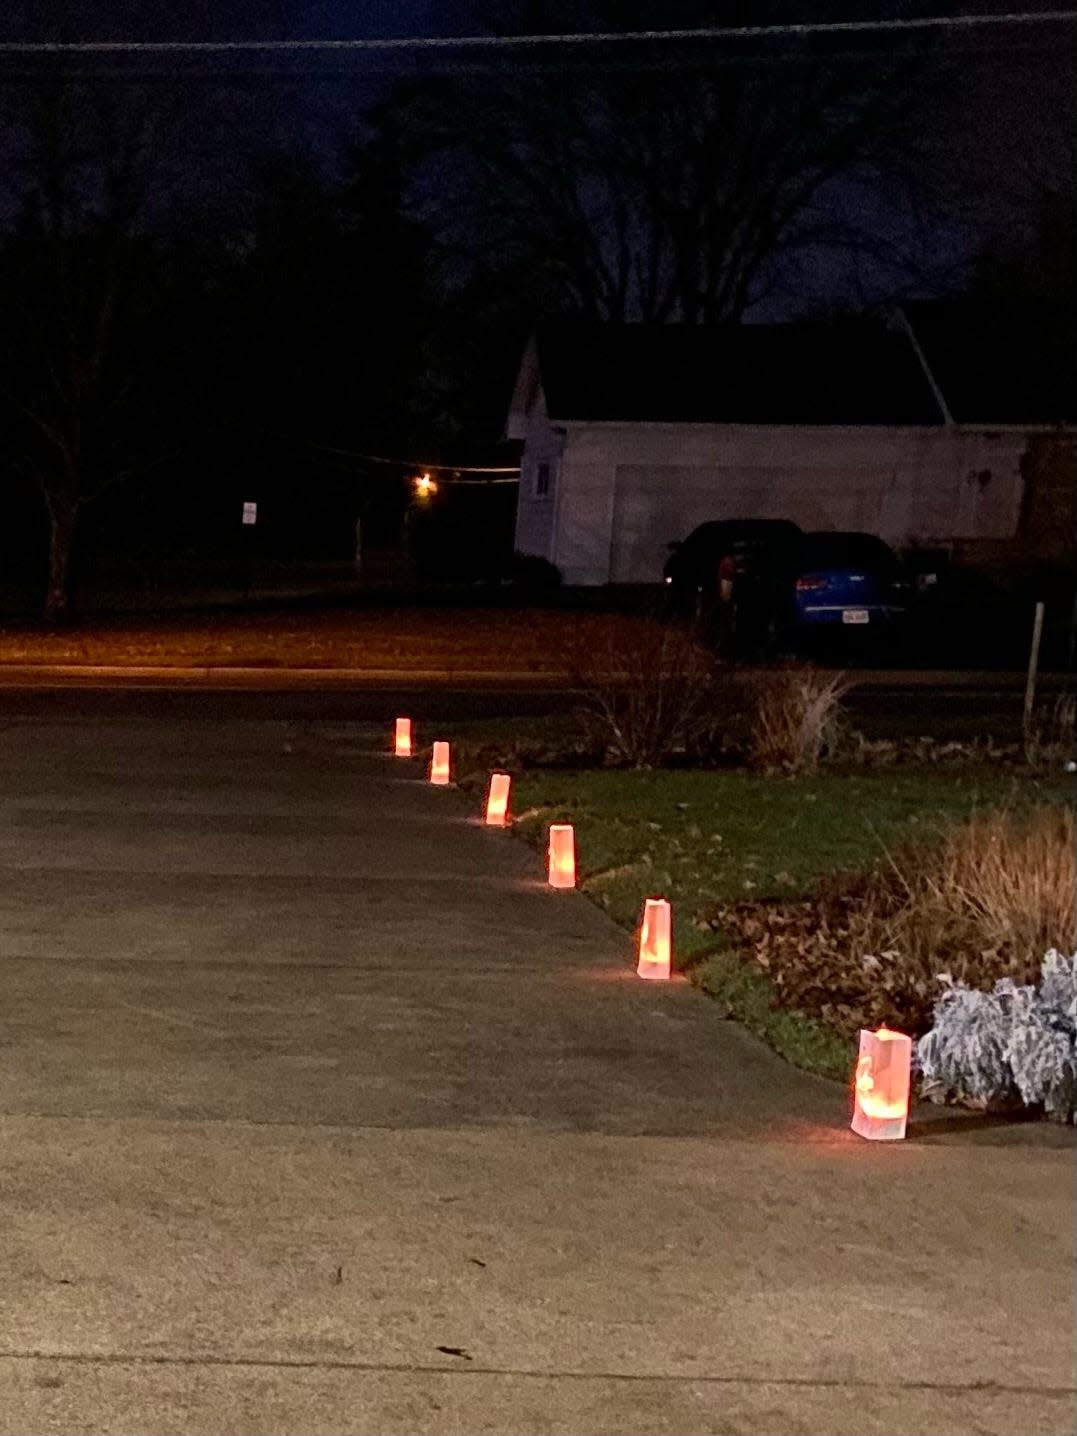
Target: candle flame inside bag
{"points": [[497, 800], [439, 764], [881, 1085], [562, 871], [655, 940]]}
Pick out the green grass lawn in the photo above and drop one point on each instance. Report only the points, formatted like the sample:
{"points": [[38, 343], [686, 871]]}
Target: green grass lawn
{"points": [[702, 837]]}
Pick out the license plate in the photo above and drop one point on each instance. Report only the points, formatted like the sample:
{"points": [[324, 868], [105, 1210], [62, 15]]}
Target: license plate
{"points": [[854, 615]]}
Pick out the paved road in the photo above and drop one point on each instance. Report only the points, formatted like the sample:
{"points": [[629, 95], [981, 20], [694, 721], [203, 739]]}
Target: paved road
{"points": [[320, 1113], [882, 705]]}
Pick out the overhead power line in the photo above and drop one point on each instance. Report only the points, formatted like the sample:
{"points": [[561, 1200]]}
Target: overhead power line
{"points": [[297, 69], [418, 465], [489, 42]]}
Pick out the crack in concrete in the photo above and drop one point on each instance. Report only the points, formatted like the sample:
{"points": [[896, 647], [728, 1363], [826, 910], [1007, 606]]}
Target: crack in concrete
{"points": [[955, 1388]]}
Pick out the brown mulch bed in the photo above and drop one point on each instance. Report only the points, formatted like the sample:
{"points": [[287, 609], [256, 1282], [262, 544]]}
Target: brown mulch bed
{"points": [[809, 948], [987, 901]]}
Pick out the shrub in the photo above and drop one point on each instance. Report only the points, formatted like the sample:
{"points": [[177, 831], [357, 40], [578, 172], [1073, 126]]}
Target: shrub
{"points": [[649, 691], [531, 573], [794, 717], [1050, 738], [1012, 1042]]}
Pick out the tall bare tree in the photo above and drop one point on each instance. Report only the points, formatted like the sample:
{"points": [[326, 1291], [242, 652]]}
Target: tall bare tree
{"points": [[84, 301], [656, 184]]}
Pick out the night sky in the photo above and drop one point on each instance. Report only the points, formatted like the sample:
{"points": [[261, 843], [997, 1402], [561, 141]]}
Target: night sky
{"points": [[215, 19], [996, 132]]}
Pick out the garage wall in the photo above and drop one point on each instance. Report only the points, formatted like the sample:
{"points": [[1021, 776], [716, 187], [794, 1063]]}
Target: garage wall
{"points": [[626, 491], [654, 506], [584, 521]]}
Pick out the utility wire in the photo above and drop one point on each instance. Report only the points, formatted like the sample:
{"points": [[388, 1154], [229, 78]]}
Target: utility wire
{"points": [[489, 42], [293, 69], [418, 465]]}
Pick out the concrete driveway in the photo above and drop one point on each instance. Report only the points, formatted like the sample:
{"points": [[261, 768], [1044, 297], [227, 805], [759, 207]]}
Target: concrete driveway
{"points": [[319, 1113]]}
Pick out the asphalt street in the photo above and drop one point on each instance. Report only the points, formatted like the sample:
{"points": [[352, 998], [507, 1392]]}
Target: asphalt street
{"points": [[946, 706]]}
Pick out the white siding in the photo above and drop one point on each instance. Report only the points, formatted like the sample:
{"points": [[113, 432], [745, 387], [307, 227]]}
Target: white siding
{"points": [[655, 505], [535, 514], [584, 519], [624, 491]]}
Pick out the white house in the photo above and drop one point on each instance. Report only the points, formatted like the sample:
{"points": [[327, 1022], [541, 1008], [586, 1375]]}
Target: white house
{"points": [[633, 435]]}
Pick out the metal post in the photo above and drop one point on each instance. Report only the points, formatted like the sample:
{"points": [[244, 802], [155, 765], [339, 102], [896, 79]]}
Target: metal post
{"points": [[1033, 667]]}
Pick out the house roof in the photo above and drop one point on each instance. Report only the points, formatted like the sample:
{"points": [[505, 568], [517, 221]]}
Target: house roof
{"points": [[853, 372]]}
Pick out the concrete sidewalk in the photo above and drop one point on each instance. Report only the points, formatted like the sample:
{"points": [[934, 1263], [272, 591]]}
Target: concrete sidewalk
{"points": [[320, 1113]]}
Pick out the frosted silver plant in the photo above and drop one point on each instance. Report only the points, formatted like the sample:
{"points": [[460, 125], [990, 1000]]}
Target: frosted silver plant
{"points": [[963, 1057], [1022, 1041], [1058, 984], [1041, 1049]]}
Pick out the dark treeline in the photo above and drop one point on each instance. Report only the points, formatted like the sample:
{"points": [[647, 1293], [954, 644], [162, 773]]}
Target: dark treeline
{"points": [[168, 351], [195, 311]]}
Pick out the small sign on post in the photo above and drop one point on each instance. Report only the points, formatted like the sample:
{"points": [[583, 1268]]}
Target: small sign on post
{"points": [[250, 513]]}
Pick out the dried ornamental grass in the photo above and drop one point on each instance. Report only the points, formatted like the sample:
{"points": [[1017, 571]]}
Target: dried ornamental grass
{"points": [[795, 717], [1001, 884], [981, 903]]}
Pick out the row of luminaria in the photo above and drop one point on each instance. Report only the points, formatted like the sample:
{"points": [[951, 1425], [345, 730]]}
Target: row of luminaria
{"points": [[882, 1081]]}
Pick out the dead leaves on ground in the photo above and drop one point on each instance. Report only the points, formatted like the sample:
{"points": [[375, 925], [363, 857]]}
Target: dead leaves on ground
{"points": [[813, 950]]}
